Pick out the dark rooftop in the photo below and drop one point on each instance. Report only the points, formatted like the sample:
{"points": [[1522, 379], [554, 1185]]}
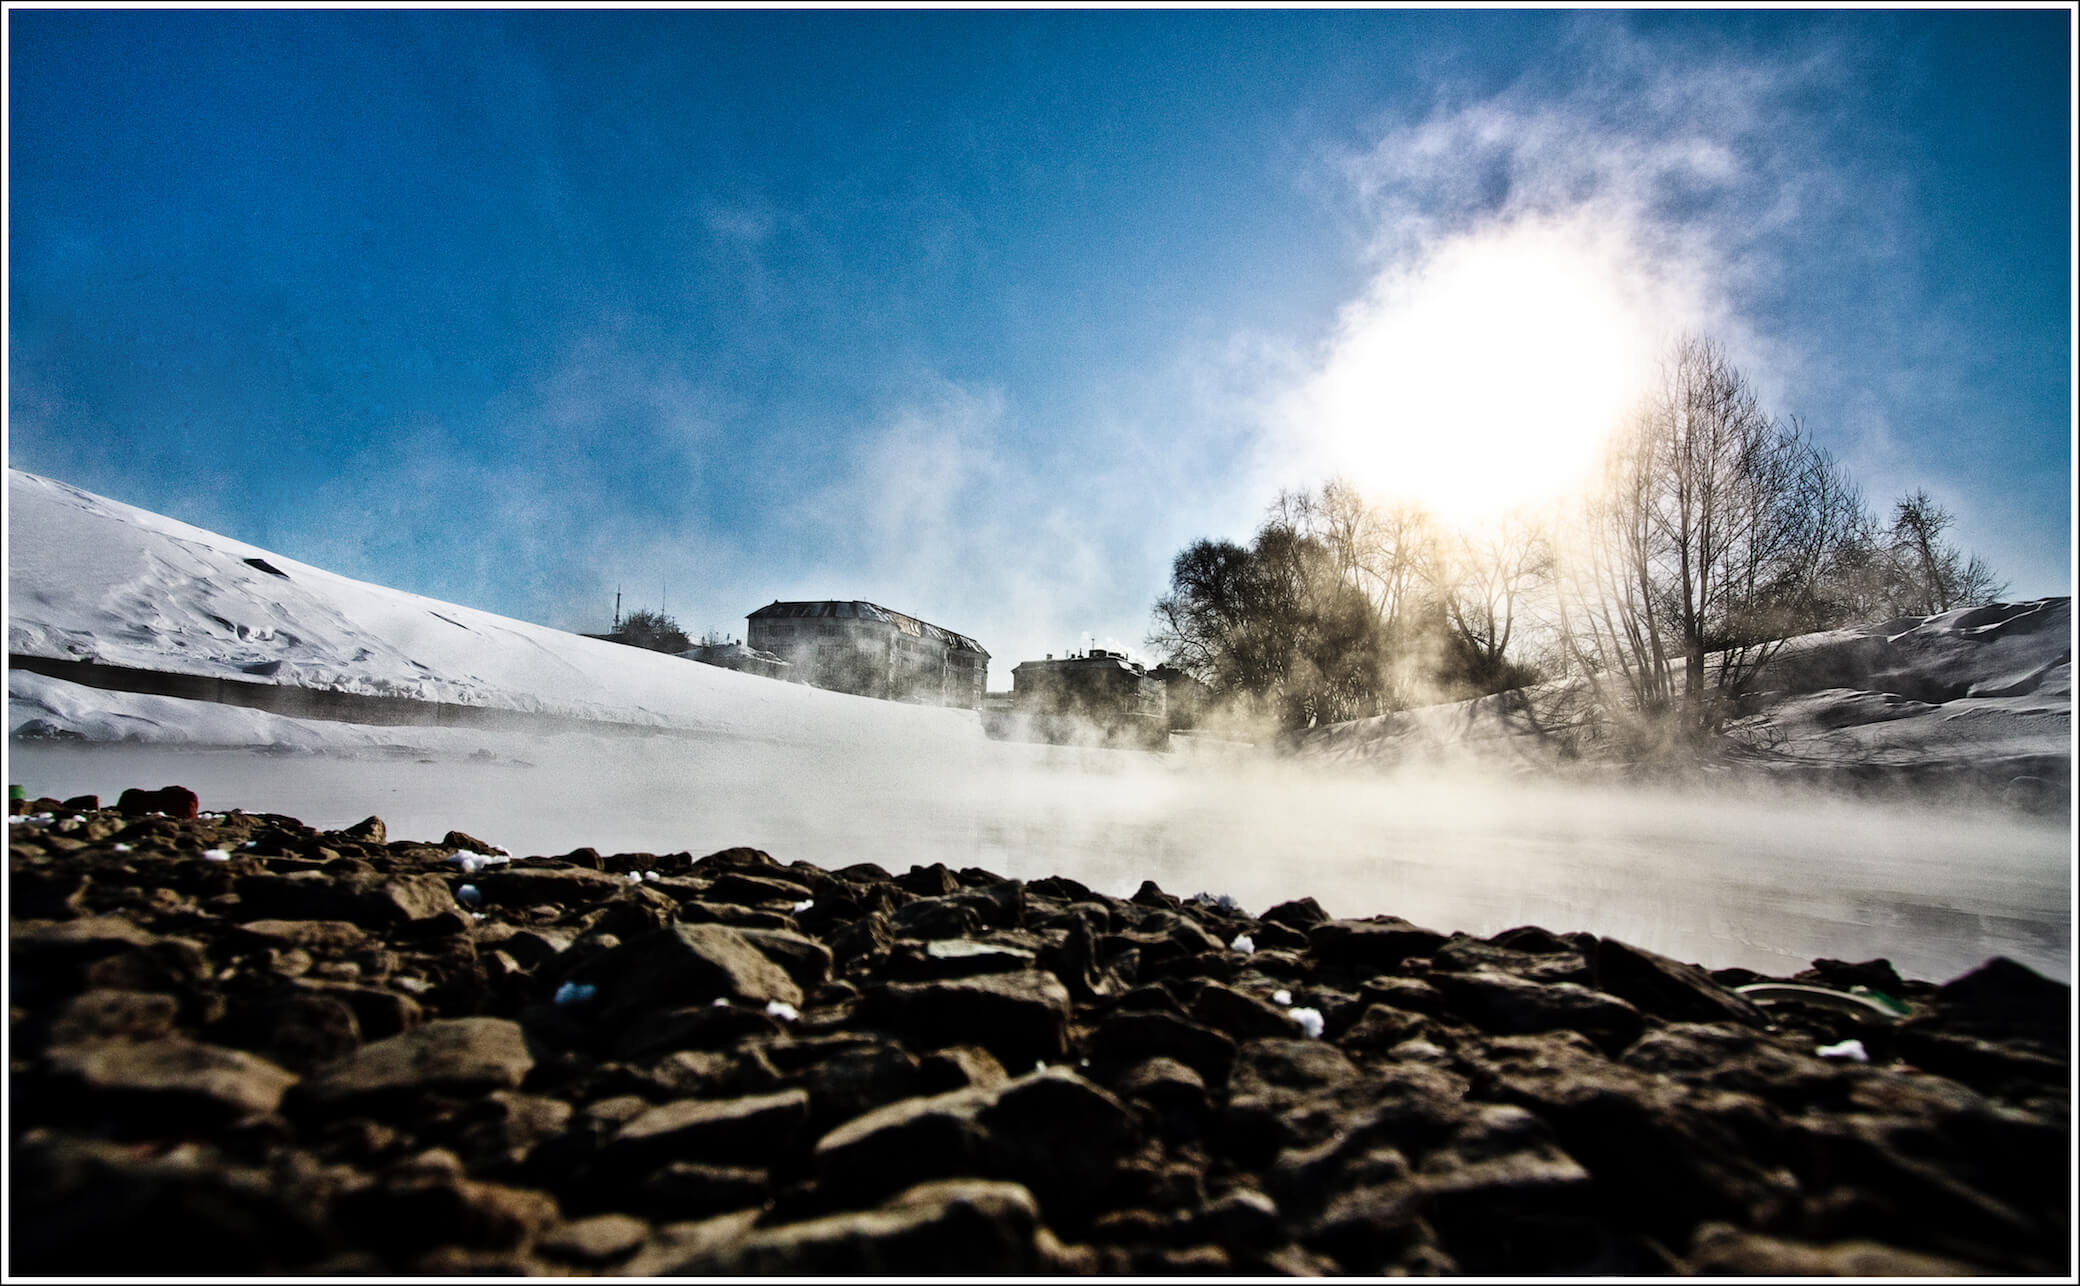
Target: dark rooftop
{"points": [[856, 610]]}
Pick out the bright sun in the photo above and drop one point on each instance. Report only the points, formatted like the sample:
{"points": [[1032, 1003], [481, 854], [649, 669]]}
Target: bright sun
{"points": [[1487, 378]]}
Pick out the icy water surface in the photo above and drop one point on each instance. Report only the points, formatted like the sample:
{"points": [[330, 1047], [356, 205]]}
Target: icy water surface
{"points": [[1769, 882]]}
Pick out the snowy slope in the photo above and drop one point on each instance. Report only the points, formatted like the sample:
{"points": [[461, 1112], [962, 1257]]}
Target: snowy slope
{"points": [[92, 579], [1980, 696]]}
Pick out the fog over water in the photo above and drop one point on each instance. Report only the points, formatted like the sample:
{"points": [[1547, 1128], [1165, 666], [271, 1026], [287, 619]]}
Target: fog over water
{"points": [[1764, 880]]}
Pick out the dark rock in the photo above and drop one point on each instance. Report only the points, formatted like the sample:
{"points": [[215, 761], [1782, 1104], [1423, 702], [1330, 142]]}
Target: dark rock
{"points": [[1174, 1094], [82, 804], [1373, 946], [546, 886], [937, 1228], [300, 1028], [1018, 1017], [469, 844], [369, 830], [905, 1142], [754, 890], [927, 881], [1725, 1251], [593, 1242], [1382, 1027], [864, 939], [1666, 1165], [1151, 896], [857, 1080], [685, 964], [740, 1129], [710, 1026], [104, 1013], [957, 958], [691, 1189], [82, 1207], [1463, 954], [959, 1067], [174, 801], [806, 960], [935, 917], [1533, 940], [1667, 988], [1241, 1016], [1739, 1058], [330, 937], [1510, 1005], [1026, 1121], [2003, 997], [1242, 1219], [1129, 1037], [428, 1203], [170, 1075], [454, 1055], [1878, 975], [1282, 1093]]}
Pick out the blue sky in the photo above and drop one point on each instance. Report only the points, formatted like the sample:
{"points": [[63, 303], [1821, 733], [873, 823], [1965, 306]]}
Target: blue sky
{"points": [[984, 315]]}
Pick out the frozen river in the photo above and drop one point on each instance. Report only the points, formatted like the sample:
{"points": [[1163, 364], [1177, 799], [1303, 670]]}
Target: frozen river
{"points": [[1768, 882]]}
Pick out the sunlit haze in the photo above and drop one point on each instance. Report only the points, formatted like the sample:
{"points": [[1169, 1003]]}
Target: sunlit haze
{"points": [[1488, 376]]}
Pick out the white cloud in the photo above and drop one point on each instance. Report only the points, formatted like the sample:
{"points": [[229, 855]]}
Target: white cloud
{"points": [[1532, 253]]}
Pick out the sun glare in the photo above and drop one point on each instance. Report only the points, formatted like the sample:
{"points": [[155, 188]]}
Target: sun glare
{"points": [[1486, 378]]}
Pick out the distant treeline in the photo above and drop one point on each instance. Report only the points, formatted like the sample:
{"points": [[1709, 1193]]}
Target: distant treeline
{"points": [[1715, 531]]}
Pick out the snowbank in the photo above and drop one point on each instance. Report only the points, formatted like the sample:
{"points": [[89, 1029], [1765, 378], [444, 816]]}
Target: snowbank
{"points": [[92, 579]]}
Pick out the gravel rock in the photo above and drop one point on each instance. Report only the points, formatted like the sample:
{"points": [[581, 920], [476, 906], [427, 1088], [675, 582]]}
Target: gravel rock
{"points": [[308, 1058]]}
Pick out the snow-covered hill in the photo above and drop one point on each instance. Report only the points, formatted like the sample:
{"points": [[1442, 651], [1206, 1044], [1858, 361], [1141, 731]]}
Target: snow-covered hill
{"points": [[92, 579], [1979, 697]]}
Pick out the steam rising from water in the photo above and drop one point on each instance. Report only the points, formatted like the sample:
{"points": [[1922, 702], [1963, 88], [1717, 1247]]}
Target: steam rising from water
{"points": [[1768, 881]]}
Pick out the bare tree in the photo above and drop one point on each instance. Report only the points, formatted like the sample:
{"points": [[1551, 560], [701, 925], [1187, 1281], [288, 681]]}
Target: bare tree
{"points": [[1928, 574], [1485, 582], [1708, 545]]}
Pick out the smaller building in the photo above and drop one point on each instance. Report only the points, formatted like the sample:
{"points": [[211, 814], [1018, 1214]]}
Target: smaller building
{"points": [[872, 651], [738, 657], [1097, 695]]}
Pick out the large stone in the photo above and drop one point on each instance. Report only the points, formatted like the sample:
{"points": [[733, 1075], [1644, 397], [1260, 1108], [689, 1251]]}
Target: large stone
{"points": [[174, 801], [963, 1228], [1669, 988], [905, 1142], [1509, 1005], [1376, 945], [1026, 1121], [1240, 1015], [1669, 1164], [420, 1209], [547, 886], [684, 964], [1461, 954], [738, 1129], [1019, 1017], [806, 960], [80, 1207], [134, 1015], [451, 1055], [1725, 1251], [1284, 1093], [1130, 1036], [172, 1075]]}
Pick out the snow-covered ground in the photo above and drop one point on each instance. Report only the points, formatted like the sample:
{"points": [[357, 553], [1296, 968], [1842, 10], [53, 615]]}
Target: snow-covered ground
{"points": [[1764, 877], [1979, 697]]}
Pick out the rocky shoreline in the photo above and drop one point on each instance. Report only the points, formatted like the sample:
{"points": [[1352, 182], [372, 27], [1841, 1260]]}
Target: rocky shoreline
{"points": [[240, 1045]]}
